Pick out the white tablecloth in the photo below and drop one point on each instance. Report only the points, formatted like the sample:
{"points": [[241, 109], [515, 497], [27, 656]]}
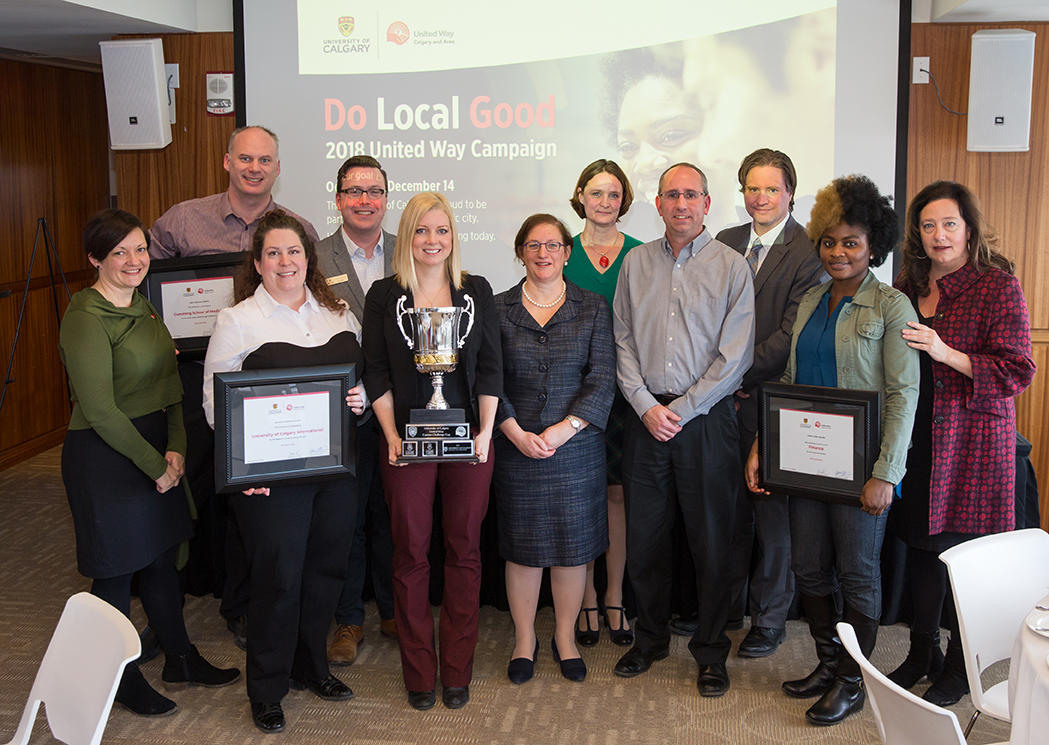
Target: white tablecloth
{"points": [[1029, 684]]}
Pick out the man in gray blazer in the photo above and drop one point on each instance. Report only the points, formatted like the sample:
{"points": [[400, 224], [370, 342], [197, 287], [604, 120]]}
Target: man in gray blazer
{"points": [[785, 265], [351, 259]]}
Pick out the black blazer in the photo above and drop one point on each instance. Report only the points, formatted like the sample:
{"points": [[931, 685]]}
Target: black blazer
{"points": [[388, 364], [791, 267]]}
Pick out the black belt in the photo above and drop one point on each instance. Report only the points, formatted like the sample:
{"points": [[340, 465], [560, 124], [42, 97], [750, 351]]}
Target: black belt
{"points": [[666, 398]]}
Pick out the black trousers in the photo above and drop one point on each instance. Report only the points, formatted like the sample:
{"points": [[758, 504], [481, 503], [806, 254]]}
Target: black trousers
{"points": [[698, 471], [372, 549], [297, 540], [760, 556]]}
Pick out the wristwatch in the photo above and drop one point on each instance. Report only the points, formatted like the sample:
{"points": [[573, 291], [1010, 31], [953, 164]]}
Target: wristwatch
{"points": [[576, 424]]}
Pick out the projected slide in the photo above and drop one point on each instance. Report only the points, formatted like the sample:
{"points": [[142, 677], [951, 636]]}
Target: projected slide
{"points": [[501, 113]]}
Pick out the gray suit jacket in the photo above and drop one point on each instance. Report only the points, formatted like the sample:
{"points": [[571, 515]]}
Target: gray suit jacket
{"points": [[333, 261], [791, 267]]}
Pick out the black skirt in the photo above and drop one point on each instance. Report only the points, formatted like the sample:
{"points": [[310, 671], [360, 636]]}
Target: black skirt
{"points": [[121, 522]]}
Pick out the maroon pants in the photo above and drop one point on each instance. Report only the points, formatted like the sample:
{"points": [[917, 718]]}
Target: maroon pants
{"points": [[464, 500]]}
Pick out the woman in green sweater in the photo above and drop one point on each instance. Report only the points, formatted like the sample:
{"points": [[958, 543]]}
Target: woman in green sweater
{"points": [[124, 453], [603, 195]]}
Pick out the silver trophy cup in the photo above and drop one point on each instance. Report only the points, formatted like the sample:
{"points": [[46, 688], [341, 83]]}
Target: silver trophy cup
{"points": [[435, 340], [435, 336]]}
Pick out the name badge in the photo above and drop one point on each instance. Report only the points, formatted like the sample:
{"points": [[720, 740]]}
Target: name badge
{"points": [[338, 279]]}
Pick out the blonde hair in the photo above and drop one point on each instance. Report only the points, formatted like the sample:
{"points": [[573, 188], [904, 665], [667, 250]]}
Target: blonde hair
{"points": [[404, 261]]}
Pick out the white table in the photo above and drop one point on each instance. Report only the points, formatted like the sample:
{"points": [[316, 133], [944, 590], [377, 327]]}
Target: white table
{"points": [[1029, 684]]}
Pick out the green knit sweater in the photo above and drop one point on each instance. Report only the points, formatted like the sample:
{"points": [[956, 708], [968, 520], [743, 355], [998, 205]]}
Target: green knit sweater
{"points": [[121, 365]]}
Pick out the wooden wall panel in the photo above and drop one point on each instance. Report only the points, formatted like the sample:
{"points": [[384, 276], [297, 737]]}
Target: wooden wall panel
{"points": [[150, 181], [1011, 187], [54, 164]]}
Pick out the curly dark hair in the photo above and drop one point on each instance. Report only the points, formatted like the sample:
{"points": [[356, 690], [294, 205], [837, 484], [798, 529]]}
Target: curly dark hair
{"points": [[983, 240], [278, 219], [855, 200]]}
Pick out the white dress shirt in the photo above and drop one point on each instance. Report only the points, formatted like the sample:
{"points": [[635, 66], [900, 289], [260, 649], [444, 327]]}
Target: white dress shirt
{"points": [[260, 319], [368, 270]]}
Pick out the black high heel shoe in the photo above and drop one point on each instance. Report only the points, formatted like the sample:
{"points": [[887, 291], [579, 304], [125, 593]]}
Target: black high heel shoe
{"points": [[573, 669], [521, 669], [592, 634], [619, 635]]}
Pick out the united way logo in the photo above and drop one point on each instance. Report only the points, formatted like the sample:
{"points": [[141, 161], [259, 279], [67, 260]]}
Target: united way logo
{"points": [[346, 25], [397, 32]]}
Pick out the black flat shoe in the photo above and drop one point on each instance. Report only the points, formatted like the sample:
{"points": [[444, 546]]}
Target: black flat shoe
{"points": [[190, 669], [637, 661], [137, 696], [455, 697], [618, 634], [521, 669], [685, 625], [329, 689], [573, 669], [713, 680], [590, 636], [422, 700], [267, 717]]}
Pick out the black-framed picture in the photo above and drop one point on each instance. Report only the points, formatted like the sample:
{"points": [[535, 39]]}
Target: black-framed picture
{"points": [[189, 293], [818, 442], [286, 425]]}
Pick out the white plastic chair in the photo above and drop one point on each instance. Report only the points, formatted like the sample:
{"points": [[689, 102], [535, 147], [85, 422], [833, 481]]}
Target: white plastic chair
{"points": [[902, 717], [80, 672], [996, 581]]}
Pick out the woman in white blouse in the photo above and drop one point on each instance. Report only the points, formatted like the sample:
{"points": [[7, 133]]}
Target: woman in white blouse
{"points": [[297, 537]]}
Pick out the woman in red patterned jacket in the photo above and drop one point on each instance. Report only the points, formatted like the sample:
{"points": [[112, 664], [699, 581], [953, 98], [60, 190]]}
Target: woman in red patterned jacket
{"points": [[974, 330]]}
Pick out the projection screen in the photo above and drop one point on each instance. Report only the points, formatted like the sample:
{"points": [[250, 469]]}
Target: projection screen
{"points": [[501, 106]]}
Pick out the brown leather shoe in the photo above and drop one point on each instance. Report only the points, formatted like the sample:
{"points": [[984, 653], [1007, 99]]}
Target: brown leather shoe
{"points": [[343, 649], [388, 627]]}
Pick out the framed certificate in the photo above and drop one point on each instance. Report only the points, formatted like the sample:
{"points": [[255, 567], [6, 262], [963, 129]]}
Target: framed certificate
{"points": [[189, 293], [283, 425], [818, 442]]}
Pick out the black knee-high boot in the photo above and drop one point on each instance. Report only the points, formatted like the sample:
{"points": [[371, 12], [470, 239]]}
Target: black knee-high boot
{"points": [[821, 613], [953, 683], [846, 695]]}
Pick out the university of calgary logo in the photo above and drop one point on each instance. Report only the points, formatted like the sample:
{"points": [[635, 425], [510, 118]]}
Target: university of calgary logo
{"points": [[346, 25], [397, 32]]}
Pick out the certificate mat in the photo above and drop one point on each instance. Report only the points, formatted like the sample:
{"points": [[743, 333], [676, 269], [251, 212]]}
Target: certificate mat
{"points": [[287, 425], [818, 442]]}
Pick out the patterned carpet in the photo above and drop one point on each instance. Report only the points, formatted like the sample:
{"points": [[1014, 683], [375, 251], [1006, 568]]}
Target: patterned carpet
{"points": [[37, 568]]}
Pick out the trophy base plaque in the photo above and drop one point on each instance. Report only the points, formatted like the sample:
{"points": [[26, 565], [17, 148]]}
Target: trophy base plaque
{"points": [[434, 435]]}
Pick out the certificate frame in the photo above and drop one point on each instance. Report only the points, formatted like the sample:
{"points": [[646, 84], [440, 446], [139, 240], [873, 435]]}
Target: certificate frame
{"points": [[189, 269], [864, 409], [234, 472]]}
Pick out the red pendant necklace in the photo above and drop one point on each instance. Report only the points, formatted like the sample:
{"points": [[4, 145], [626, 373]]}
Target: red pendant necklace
{"points": [[603, 261]]}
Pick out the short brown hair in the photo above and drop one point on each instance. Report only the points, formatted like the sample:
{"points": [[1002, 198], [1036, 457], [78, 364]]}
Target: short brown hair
{"points": [[533, 222], [106, 229], [602, 165], [768, 157], [361, 161]]}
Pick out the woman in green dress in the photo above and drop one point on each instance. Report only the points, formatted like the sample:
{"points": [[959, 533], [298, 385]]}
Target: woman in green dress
{"points": [[602, 195]]}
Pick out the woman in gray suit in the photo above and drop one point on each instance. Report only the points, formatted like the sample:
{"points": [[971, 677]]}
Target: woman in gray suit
{"points": [[559, 380]]}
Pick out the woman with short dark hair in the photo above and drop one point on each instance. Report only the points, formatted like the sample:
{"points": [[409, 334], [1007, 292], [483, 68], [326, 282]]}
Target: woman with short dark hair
{"points": [[558, 382], [124, 453]]}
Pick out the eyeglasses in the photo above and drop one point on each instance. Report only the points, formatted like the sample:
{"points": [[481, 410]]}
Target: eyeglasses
{"points": [[356, 192], [689, 195], [551, 246]]}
